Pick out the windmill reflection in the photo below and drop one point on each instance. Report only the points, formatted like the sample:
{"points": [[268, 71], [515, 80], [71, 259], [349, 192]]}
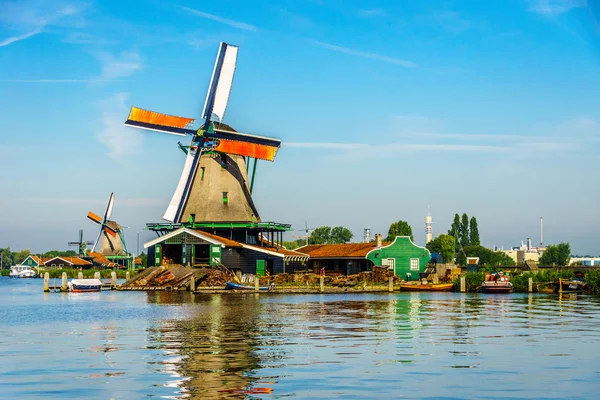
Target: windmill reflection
{"points": [[212, 352]]}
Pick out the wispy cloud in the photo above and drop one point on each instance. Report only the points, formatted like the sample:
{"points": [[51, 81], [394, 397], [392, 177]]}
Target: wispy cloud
{"points": [[120, 140], [221, 20], [55, 80], [125, 64], [553, 8], [125, 202], [372, 56], [29, 18], [14, 39], [371, 12]]}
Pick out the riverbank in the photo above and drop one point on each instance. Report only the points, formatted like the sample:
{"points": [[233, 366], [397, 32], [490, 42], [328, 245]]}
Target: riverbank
{"points": [[543, 281]]}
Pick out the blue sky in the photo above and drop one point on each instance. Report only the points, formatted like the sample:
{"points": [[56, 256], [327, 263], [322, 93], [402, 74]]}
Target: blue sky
{"points": [[384, 108]]}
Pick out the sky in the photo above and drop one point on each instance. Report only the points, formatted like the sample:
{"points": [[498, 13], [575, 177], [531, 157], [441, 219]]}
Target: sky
{"points": [[385, 109]]}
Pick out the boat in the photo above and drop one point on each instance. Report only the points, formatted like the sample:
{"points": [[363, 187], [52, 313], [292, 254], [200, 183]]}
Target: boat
{"points": [[427, 287], [22, 271], [575, 285], [239, 286], [497, 283], [85, 285]]}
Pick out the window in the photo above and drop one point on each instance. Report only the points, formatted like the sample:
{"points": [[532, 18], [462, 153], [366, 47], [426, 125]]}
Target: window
{"points": [[414, 264]]}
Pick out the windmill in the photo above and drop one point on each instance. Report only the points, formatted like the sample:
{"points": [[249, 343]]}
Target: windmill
{"points": [[213, 186], [81, 244], [113, 241], [306, 229]]}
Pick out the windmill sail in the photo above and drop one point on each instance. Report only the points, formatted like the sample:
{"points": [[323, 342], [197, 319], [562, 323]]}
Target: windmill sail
{"points": [[220, 82], [176, 199]]}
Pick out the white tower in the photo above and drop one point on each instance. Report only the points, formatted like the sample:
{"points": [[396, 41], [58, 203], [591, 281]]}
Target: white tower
{"points": [[367, 237], [428, 228]]}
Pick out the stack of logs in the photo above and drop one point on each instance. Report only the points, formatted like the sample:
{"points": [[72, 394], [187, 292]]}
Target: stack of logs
{"points": [[377, 275]]}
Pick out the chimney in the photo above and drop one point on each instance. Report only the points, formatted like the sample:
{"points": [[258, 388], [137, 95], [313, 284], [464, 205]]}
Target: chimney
{"points": [[528, 244], [378, 239]]}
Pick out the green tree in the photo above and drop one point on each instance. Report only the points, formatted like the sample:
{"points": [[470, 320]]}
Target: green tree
{"points": [[320, 235], [455, 229], [20, 256], [559, 254], [144, 258], [474, 232], [60, 253], [400, 228], [294, 244], [340, 234], [7, 257], [464, 230], [445, 245]]}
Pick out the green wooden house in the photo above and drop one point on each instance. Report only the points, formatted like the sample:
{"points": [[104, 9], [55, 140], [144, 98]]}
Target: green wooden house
{"points": [[406, 258]]}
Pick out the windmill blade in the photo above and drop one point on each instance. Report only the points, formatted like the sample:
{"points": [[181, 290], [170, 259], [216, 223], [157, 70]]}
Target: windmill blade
{"points": [[94, 218], [107, 229], [243, 144], [155, 121], [109, 206], [171, 212], [97, 240], [217, 96], [89, 242]]}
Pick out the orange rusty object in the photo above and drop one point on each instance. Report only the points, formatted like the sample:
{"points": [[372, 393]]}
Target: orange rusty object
{"points": [[253, 150], [153, 117]]}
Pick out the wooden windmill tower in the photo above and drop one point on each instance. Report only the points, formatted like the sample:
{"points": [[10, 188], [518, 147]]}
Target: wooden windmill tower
{"points": [[214, 185], [113, 240]]}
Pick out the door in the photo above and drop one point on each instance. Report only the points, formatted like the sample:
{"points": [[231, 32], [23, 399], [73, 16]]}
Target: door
{"points": [[260, 267], [215, 254]]}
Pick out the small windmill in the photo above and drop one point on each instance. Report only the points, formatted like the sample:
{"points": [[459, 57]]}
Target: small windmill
{"points": [[81, 244], [306, 229], [113, 241], [212, 195]]}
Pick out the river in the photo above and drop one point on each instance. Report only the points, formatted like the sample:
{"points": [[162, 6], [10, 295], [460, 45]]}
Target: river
{"points": [[130, 345]]}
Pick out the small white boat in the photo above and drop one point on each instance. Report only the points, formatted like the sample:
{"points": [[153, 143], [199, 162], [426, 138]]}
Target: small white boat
{"points": [[22, 271], [85, 285]]}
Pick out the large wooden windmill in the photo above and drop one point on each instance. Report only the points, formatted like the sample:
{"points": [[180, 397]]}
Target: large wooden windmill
{"points": [[113, 240], [214, 186]]}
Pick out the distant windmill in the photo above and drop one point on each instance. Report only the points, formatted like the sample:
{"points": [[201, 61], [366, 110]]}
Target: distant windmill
{"points": [[305, 230], [81, 244], [113, 241]]}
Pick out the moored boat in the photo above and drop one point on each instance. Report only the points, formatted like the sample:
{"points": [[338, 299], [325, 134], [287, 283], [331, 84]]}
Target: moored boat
{"points": [[575, 285], [428, 287], [497, 283], [22, 271], [238, 286], [85, 285]]}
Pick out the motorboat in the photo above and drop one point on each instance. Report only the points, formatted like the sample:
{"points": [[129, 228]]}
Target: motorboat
{"points": [[84, 285], [575, 285], [497, 283], [238, 286], [22, 271], [427, 287]]}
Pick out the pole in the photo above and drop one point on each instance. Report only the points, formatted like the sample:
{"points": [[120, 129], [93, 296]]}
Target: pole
{"points": [[63, 285], [391, 284], [253, 176], [46, 282], [463, 284], [322, 284], [530, 285]]}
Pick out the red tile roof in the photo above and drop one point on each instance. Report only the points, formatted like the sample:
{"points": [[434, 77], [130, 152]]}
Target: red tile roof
{"points": [[347, 250], [70, 260], [225, 241]]}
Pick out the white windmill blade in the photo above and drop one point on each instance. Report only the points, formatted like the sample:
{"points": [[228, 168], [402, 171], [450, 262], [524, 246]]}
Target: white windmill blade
{"points": [[176, 200], [220, 82], [97, 239], [109, 207]]}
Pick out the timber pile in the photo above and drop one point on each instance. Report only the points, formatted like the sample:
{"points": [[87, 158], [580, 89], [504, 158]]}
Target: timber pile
{"points": [[215, 277], [174, 277]]}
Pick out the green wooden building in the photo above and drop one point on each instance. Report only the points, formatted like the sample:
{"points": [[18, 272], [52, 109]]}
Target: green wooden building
{"points": [[406, 258]]}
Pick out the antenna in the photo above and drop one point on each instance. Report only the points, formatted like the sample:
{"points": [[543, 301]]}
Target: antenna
{"points": [[541, 232], [428, 226]]}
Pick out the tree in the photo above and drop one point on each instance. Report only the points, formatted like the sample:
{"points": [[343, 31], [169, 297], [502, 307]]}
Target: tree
{"points": [[464, 230], [328, 235], [7, 257], [20, 256], [320, 235], [559, 254], [340, 234], [294, 244], [60, 253], [455, 228], [474, 232], [400, 228], [445, 245], [144, 258]]}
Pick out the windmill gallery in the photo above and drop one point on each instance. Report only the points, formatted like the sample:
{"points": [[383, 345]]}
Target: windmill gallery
{"points": [[211, 221]]}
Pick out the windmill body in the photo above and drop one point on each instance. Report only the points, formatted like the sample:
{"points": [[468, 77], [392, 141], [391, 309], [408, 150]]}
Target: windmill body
{"points": [[110, 237], [214, 185]]}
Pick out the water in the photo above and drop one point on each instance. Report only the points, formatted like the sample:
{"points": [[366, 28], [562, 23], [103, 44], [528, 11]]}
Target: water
{"points": [[128, 345]]}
